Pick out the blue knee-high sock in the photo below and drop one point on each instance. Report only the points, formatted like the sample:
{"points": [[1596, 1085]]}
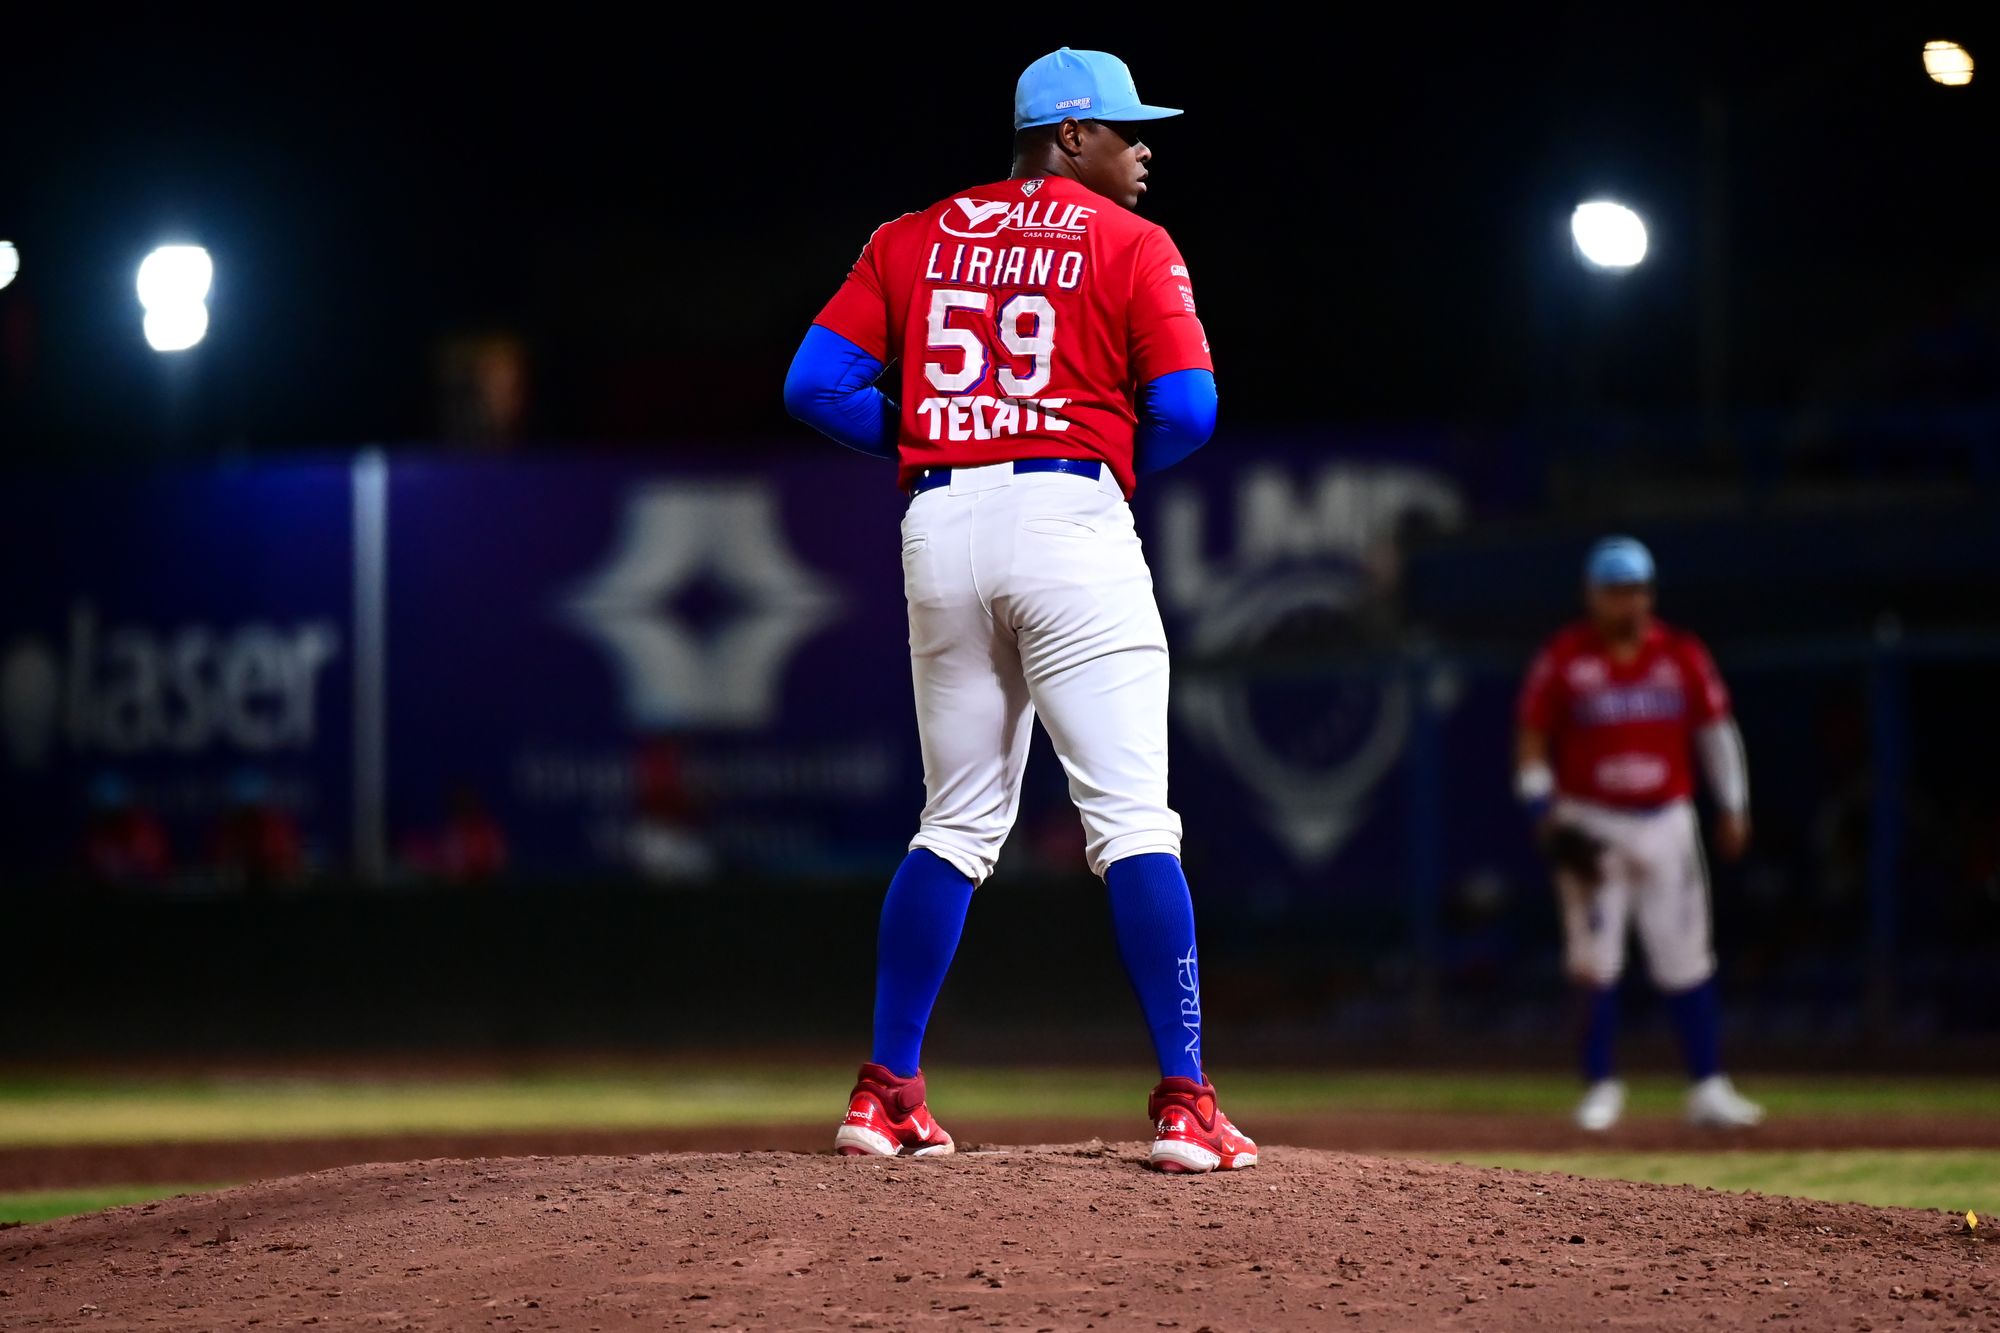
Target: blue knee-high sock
{"points": [[922, 918], [1154, 920], [1697, 1015], [1600, 1032]]}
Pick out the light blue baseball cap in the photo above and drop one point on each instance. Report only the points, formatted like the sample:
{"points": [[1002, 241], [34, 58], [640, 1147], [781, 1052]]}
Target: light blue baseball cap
{"points": [[1089, 85], [1618, 560]]}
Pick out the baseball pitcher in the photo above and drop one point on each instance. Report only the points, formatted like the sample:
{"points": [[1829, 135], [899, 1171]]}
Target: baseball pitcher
{"points": [[1613, 711], [1049, 352]]}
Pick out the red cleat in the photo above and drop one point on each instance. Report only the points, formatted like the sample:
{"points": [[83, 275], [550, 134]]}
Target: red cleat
{"points": [[886, 1117], [1191, 1135]]}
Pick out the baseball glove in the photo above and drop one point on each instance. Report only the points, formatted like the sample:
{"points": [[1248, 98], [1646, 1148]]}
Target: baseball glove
{"points": [[1571, 851]]}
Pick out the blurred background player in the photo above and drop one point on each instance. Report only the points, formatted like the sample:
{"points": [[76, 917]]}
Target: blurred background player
{"points": [[1613, 710], [125, 841], [1050, 351]]}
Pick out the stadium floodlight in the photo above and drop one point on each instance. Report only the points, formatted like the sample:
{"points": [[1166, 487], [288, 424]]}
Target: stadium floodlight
{"points": [[10, 262], [176, 328], [1948, 63], [1608, 235], [173, 288], [175, 275]]}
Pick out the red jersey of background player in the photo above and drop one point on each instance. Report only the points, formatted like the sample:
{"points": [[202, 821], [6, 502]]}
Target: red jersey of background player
{"points": [[1027, 314], [1620, 733]]}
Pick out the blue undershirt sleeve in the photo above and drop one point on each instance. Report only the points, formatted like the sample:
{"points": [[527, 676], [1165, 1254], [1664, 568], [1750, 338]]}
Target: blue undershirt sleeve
{"points": [[831, 387], [1176, 417]]}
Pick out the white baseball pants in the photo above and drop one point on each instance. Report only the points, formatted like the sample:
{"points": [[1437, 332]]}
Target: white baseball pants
{"points": [[1654, 877], [1029, 594]]}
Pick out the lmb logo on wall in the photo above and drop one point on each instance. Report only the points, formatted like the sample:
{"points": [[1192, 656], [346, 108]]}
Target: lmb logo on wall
{"points": [[1281, 629]]}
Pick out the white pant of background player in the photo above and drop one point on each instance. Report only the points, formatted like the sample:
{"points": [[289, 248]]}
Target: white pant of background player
{"points": [[1654, 878], [1654, 882], [1029, 594]]}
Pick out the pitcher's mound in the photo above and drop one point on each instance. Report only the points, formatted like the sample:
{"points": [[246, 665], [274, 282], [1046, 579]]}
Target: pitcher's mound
{"points": [[1022, 1238]]}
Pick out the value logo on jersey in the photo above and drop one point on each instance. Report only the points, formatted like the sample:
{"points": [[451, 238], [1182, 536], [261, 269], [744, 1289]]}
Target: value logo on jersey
{"points": [[983, 219]]}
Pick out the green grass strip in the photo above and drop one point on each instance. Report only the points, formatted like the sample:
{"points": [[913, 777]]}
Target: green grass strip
{"points": [[67, 1110], [1950, 1179], [44, 1205]]}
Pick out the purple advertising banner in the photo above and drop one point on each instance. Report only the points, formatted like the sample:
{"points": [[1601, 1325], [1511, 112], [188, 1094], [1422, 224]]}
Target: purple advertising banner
{"points": [[174, 649], [621, 665], [657, 670]]}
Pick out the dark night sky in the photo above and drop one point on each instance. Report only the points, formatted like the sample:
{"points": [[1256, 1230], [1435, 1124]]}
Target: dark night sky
{"points": [[1374, 208]]}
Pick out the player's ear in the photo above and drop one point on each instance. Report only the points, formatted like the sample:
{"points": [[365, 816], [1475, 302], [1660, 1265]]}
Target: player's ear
{"points": [[1069, 136]]}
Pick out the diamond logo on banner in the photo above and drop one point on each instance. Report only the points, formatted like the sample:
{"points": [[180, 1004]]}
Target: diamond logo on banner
{"points": [[701, 605]]}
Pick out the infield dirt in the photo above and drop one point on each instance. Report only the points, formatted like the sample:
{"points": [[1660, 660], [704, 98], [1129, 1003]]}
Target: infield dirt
{"points": [[1017, 1238]]}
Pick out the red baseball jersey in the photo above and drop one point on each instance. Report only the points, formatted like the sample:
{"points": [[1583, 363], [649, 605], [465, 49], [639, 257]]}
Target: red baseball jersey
{"points": [[1621, 733], [1026, 315]]}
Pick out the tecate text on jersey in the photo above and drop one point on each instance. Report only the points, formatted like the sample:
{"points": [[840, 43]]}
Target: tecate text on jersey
{"points": [[981, 416]]}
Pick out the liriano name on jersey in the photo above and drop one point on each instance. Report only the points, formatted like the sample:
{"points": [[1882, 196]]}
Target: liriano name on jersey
{"points": [[1006, 266], [1013, 265], [1026, 321]]}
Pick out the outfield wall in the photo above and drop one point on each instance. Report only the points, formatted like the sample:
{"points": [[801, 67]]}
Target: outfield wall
{"points": [[626, 688]]}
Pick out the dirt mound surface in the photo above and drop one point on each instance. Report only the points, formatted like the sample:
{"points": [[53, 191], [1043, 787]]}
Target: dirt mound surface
{"points": [[182, 1163], [1021, 1238]]}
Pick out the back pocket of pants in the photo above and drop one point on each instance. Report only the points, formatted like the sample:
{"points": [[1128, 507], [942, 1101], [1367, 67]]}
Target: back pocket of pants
{"points": [[1051, 526]]}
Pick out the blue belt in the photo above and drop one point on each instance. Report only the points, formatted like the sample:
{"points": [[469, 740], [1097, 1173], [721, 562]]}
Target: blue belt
{"points": [[933, 477]]}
